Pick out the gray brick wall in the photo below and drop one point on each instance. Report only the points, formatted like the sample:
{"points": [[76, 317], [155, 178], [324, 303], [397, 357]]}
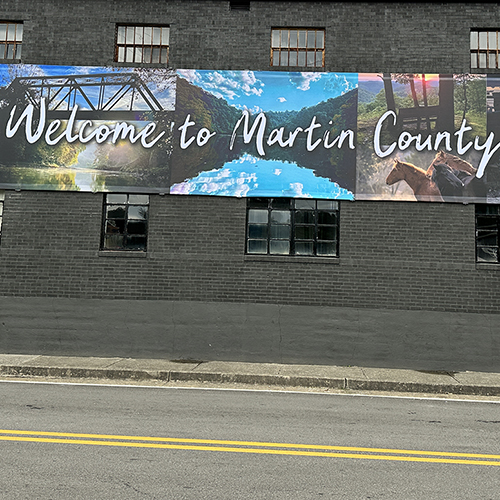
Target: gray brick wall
{"points": [[393, 255]]}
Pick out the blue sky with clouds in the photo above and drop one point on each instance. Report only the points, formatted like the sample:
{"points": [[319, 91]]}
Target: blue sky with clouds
{"points": [[272, 90]]}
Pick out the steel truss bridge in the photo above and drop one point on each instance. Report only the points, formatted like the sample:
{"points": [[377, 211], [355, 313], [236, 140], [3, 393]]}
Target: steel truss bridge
{"points": [[106, 96]]}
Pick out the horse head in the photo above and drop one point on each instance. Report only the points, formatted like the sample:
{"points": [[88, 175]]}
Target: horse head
{"points": [[396, 174]]}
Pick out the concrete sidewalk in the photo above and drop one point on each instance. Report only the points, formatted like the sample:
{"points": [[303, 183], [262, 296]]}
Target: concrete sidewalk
{"points": [[218, 372]]}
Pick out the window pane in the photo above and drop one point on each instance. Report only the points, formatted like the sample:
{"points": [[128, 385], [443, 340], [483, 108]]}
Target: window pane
{"points": [[130, 54], [135, 242], [280, 232], [319, 59], [302, 39], [311, 39], [257, 246], [138, 54], [138, 199], [148, 35], [276, 57], [10, 51], [116, 198], [11, 32], [115, 226], [326, 233], [326, 249], [19, 34], [292, 59], [155, 58], [147, 54], [487, 255], [304, 248], [257, 216], [483, 40], [136, 227], [328, 205], [284, 39], [257, 231], [156, 36], [302, 58], [304, 232], [138, 213], [116, 212], [326, 218], [120, 37], [3, 32], [165, 34], [293, 39], [492, 40], [320, 40], [310, 204], [310, 58], [280, 217], [139, 35], [474, 37], [284, 58], [121, 54], [473, 61], [280, 247], [130, 35], [113, 242], [492, 61], [164, 55], [258, 202], [482, 61], [485, 238], [275, 38], [304, 217]]}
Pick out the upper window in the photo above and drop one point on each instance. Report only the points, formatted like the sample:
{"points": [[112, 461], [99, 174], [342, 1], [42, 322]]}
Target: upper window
{"points": [[142, 44], [298, 47], [484, 49], [11, 37], [125, 225], [288, 226], [487, 232], [2, 198]]}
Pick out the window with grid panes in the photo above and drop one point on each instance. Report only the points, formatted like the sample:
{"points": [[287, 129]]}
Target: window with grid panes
{"points": [[298, 47], [290, 226], [142, 44], [11, 37], [125, 224], [487, 233], [484, 49]]}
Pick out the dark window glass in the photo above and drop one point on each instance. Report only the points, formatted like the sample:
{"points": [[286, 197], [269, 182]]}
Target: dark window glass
{"points": [[487, 233], [125, 224], [288, 226]]}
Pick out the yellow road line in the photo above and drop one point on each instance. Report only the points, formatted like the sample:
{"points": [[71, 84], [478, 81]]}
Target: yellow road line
{"points": [[266, 448]]}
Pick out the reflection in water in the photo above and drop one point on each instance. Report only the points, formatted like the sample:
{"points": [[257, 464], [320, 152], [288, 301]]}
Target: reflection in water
{"points": [[245, 176]]}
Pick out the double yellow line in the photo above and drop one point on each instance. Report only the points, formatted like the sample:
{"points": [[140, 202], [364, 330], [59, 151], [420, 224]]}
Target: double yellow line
{"points": [[251, 447]]}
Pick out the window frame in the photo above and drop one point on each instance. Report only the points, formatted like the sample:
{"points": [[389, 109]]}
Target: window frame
{"points": [[16, 42], [489, 48], [136, 44], [286, 45], [487, 221], [123, 224], [292, 224]]}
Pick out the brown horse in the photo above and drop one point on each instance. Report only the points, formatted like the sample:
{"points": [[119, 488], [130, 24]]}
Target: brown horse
{"points": [[452, 161], [423, 187]]}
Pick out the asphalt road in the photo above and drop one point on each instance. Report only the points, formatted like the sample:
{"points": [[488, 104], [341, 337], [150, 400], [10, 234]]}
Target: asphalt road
{"points": [[98, 442]]}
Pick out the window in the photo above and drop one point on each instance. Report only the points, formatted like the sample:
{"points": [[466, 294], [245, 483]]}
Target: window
{"points": [[239, 4], [298, 47], [142, 44], [487, 231], [125, 224], [11, 37], [2, 198], [288, 226], [484, 49]]}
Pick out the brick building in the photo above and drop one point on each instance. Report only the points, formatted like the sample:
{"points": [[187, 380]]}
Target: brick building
{"points": [[405, 287]]}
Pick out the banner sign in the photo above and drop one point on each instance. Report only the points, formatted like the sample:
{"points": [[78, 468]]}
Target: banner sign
{"points": [[344, 136]]}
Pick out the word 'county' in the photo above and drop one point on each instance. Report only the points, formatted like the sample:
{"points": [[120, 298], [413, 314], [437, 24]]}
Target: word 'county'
{"points": [[277, 136], [441, 139], [103, 133]]}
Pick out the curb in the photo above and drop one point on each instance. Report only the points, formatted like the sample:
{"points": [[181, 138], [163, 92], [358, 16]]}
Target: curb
{"points": [[349, 384]]}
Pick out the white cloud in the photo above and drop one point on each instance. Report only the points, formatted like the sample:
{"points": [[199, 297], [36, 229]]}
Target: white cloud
{"points": [[281, 99]]}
